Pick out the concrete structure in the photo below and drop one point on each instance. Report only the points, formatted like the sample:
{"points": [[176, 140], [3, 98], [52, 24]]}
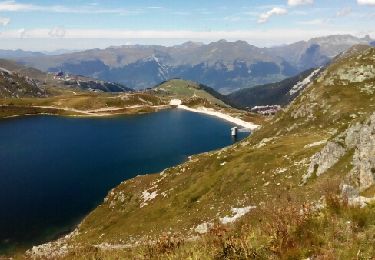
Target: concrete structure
{"points": [[234, 131]]}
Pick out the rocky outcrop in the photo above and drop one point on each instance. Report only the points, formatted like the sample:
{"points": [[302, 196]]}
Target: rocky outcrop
{"points": [[325, 159], [52, 250], [361, 138], [353, 197], [364, 155], [13, 85]]}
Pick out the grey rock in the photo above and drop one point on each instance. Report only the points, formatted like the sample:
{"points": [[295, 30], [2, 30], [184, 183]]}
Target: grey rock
{"points": [[325, 159], [349, 191], [364, 155], [361, 138]]}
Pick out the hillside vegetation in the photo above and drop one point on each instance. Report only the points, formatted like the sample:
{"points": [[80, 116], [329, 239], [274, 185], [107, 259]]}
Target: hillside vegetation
{"points": [[82, 104], [185, 90], [199, 96], [301, 186]]}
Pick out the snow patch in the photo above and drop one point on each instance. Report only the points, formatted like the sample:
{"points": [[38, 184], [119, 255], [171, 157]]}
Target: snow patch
{"points": [[281, 170], [300, 85], [237, 213], [6, 71], [108, 246], [315, 144], [148, 196], [203, 228], [264, 142]]}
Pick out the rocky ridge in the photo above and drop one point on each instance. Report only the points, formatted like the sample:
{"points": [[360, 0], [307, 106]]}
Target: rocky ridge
{"points": [[13, 85]]}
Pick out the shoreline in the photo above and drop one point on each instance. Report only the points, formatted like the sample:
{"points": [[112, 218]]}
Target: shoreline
{"points": [[88, 113], [105, 112], [211, 112], [101, 112]]}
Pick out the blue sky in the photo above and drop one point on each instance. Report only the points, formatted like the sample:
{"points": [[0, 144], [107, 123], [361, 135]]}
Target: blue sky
{"points": [[80, 24]]}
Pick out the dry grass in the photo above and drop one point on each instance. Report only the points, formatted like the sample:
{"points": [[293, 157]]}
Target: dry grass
{"points": [[296, 231]]}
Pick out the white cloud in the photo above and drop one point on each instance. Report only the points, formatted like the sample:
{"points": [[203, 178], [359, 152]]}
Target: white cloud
{"points": [[23, 33], [315, 22], [4, 21], [344, 12], [57, 32], [36, 39], [264, 17], [366, 2], [13, 6], [300, 2], [282, 35]]}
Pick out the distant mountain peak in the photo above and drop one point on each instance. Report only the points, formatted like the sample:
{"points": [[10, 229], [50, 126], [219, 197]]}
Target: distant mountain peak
{"points": [[241, 42], [367, 38], [222, 41], [190, 44]]}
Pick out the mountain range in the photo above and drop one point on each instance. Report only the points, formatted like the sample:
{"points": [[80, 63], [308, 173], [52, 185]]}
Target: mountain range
{"points": [[224, 66]]}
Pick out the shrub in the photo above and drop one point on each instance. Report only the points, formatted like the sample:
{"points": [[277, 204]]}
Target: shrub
{"points": [[166, 244]]}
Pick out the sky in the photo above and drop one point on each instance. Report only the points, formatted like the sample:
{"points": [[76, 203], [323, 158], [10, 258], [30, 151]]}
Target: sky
{"points": [[79, 24]]}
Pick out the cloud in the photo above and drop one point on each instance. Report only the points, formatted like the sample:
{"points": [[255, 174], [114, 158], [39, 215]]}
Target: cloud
{"points": [[264, 17], [23, 33], [4, 21], [13, 6], [366, 2], [57, 32], [315, 22], [344, 12], [300, 2], [272, 35]]}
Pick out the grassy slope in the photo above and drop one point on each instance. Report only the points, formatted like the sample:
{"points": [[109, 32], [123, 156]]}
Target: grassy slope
{"points": [[195, 95], [260, 172], [80, 101], [184, 90]]}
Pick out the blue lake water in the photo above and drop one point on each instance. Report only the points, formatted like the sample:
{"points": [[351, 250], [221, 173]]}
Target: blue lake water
{"points": [[54, 170]]}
